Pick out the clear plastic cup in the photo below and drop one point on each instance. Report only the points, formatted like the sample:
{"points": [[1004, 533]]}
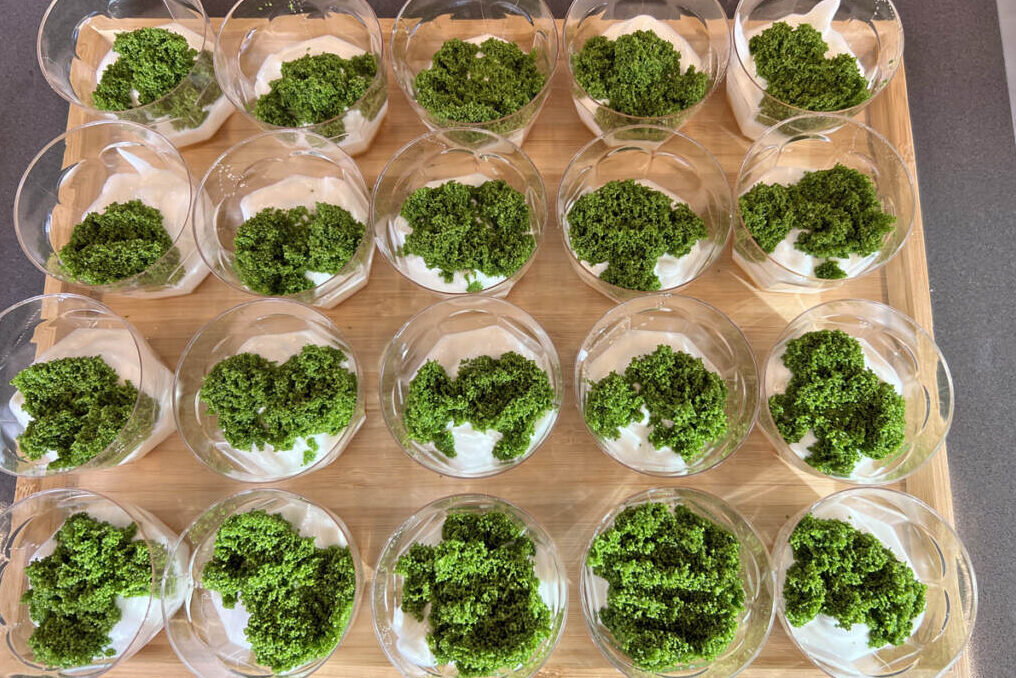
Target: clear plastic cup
{"points": [[51, 326], [636, 328], [275, 329], [782, 155], [665, 160], [256, 37], [202, 633], [700, 24], [422, 26], [450, 331], [28, 528], [920, 537], [75, 45], [757, 578], [870, 29], [87, 168], [899, 350], [424, 526], [303, 168], [433, 159]]}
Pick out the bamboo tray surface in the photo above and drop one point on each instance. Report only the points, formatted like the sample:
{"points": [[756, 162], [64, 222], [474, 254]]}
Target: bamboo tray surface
{"points": [[568, 484]]}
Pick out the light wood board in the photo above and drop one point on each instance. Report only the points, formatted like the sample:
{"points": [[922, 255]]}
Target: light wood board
{"points": [[569, 483]]}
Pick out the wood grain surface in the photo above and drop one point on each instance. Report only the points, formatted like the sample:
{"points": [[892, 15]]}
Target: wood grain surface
{"points": [[568, 484]]}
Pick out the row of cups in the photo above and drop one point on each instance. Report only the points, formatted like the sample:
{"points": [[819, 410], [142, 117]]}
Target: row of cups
{"points": [[254, 30], [64, 325], [202, 217], [201, 639]]}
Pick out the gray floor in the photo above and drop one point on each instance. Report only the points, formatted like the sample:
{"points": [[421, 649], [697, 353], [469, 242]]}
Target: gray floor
{"points": [[966, 158]]}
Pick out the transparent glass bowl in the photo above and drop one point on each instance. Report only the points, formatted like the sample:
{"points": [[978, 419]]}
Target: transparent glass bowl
{"points": [[871, 30], [669, 160], [425, 526], [895, 344], [275, 328], [199, 635], [297, 163], [449, 331], [921, 537], [74, 44], [636, 328], [700, 24], [757, 578], [257, 35], [782, 154], [54, 326], [433, 159], [28, 527], [422, 26], [83, 171]]}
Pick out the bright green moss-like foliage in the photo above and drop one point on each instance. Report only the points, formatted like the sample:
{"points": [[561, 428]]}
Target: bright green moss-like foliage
{"points": [[486, 613], [797, 72], [852, 577], [72, 592], [638, 74], [837, 211], [629, 226], [152, 63], [831, 393], [478, 83], [315, 88], [259, 402], [686, 402], [78, 407], [275, 249], [299, 597], [507, 394], [123, 240], [460, 228], [675, 589]]}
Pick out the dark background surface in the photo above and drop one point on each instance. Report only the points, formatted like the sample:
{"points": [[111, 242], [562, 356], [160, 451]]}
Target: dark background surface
{"points": [[966, 160]]}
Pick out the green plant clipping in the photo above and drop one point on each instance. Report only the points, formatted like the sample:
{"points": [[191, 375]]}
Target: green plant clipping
{"points": [[316, 88], [837, 211], [478, 83], [299, 597], [259, 402], [78, 407], [638, 74], [629, 226], [685, 401], [675, 592], [469, 229], [72, 592], [507, 395], [479, 585], [797, 72], [852, 577], [851, 412], [276, 249]]}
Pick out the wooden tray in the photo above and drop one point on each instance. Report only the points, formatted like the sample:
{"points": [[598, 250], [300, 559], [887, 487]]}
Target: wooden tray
{"points": [[569, 484]]}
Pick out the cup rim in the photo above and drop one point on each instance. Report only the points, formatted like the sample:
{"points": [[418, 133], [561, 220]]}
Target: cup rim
{"points": [[370, 23], [801, 279], [781, 445], [345, 436], [117, 287], [664, 495], [797, 111], [643, 120], [207, 45], [896, 498], [154, 582], [505, 285], [674, 301]]}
